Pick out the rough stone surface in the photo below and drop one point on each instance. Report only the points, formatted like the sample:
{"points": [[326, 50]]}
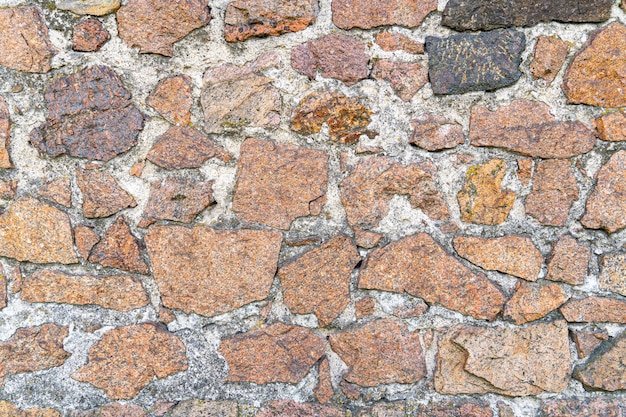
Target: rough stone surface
{"points": [[89, 35], [85, 239], [417, 265], [211, 272], [596, 74], [593, 407], [335, 56], [277, 353], [8, 189], [347, 118], [532, 301], [319, 281], [198, 408], [249, 18], [172, 98], [154, 26], [482, 199], [553, 193], [405, 78], [611, 127], [550, 54], [568, 261], [286, 408], [102, 195], [128, 358], [510, 361], [434, 133], [24, 40], [395, 409], [36, 232], [390, 42], [367, 14], [382, 352], [33, 349], [5, 135], [58, 191], [8, 409], [463, 63], [613, 272], [278, 183], [90, 115], [364, 307], [119, 249], [588, 340], [529, 128], [455, 409], [91, 7], [606, 207], [119, 292], [605, 369], [595, 309], [324, 390], [3, 289], [524, 170]]}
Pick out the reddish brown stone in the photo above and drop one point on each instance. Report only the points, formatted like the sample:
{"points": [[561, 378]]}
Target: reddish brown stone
{"points": [[33, 349], [89, 35], [529, 128], [128, 358], [154, 26], [596, 74], [319, 281], [513, 255], [482, 199], [524, 170], [5, 135], [118, 410], [351, 391], [346, 117], [606, 207], [613, 273], [364, 307], [592, 407], [119, 249], [58, 191], [173, 98], [435, 133], [390, 42], [365, 239], [553, 193], [595, 309], [3, 288], [335, 56], [198, 408], [405, 78], [324, 390], [587, 341], [177, 199], [366, 193], [605, 369], [249, 18], [16, 278], [568, 261], [118, 292], [611, 127], [276, 353], [286, 408], [418, 265], [8, 409], [367, 14], [411, 310], [25, 43], [85, 239], [382, 352], [509, 361], [505, 410], [165, 315], [209, 271], [90, 115], [137, 169], [532, 301], [550, 54], [102, 195], [278, 183], [8, 188], [471, 408], [36, 232]]}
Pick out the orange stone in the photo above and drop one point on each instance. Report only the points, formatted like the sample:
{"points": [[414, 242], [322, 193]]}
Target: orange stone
{"points": [[568, 261], [611, 127], [367, 14], [550, 54], [8, 409], [102, 195], [390, 42], [605, 370], [324, 390], [588, 340], [286, 408], [434, 133], [58, 191], [594, 309], [86, 239], [119, 249], [5, 135], [173, 98], [606, 207], [553, 193], [532, 301], [406, 78], [524, 170]]}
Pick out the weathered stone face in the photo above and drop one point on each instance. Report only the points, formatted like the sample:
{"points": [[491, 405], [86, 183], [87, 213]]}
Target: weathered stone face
{"points": [[434, 133], [553, 193], [406, 79], [58, 190], [612, 127], [595, 309], [390, 42], [605, 369], [102, 195], [532, 301], [119, 249], [89, 35], [324, 390], [568, 261], [588, 340], [456, 409], [606, 206], [592, 407], [613, 272], [5, 135], [91, 7], [172, 98], [8, 409], [367, 14], [85, 239], [197, 408], [550, 54], [284, 408]]}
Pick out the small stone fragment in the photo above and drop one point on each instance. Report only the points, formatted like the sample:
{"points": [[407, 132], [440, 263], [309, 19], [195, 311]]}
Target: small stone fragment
{"points": [[102, 195], [3, 288], [405, 78], [471, 408], [119, 249], [8, 409], [24, 40], [128, 358], [286, 408], [155, 26], [479, 62], [198, 408], [85, 239], [591, 407], [364, 307], [613, 272], [553, 193], [118, 292], [529, 128], [482, 199], [165, 315], [390, 42], [520, 361], [36, 232], [276, 353], [524, 170], [324, 390], [58, 191], [596, 74], [568, 261], [382, 352], [435, 133], [417, 265], [505, 410], [605, 369], [8, 189], [249, 18], [137, 169], [89, 35], [92, 7], [367, 14], [335, 56], [411, 310], [532, 301], [5, 135], [173, 98], [606, 207], [346, 117], [33, 349], [211, 272], [587, 341], [550, 54], [395, 409], [90, 115], [610, 127], [513, 255], [177, 199], [278, 183]]}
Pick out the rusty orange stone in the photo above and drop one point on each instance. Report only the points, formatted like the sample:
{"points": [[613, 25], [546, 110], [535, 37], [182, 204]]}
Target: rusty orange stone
{"points": [[173, 98], [606, 207], [367, 14], [550, 54]]}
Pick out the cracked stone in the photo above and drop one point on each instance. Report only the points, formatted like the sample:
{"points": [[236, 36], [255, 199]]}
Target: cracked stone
{"points": [[102, 195], [367, 14], [324, 390], [89, 35], [119, 249], [173, 98], [605, 369], [406, 78], [532, 301], [549, 56], [391, 42], [524, 171], [568, 261], [435, 133]]}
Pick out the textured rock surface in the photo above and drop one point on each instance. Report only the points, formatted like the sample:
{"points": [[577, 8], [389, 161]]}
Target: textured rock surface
{"points": [[405, 78], [455, 409], [588, 340], [366, 14], [8, 409], [568, 261], [606, 206], [550, 54], [395, 409], [611, 127], [595, 309], [89, 35], [5, 135], [58, 191], [119, 249], [85, 239], [92, 7], [391, 41], [593, 407], [532, 301], [553, 193], [434, 133], [197, 408], [324, 390], [605, 369], [286, 408], [173, 98], [102, 195], [613, 272]]}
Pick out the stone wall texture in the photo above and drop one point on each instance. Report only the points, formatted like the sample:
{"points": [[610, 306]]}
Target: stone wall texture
{"points": [[313, 208]]}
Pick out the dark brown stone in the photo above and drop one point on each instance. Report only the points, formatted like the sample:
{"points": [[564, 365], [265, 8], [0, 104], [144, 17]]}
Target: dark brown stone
{"points": [[553, 193], [102, 195], [119, 249], [58, 191], [595, 309], [434, 133], [85, 239], [606, 206], [406, 78], [89, 35], [588, 340], [532, 301], [173, 98], [471, 408], [605, 369], [390, 42], [367, 14], [5, 135], [286, 408], [568, 261], [591, 407], [550, 54]]}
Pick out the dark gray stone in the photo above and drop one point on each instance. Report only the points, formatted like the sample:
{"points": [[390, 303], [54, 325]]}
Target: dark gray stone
{"points": [[488, 14], [483, 62]]}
